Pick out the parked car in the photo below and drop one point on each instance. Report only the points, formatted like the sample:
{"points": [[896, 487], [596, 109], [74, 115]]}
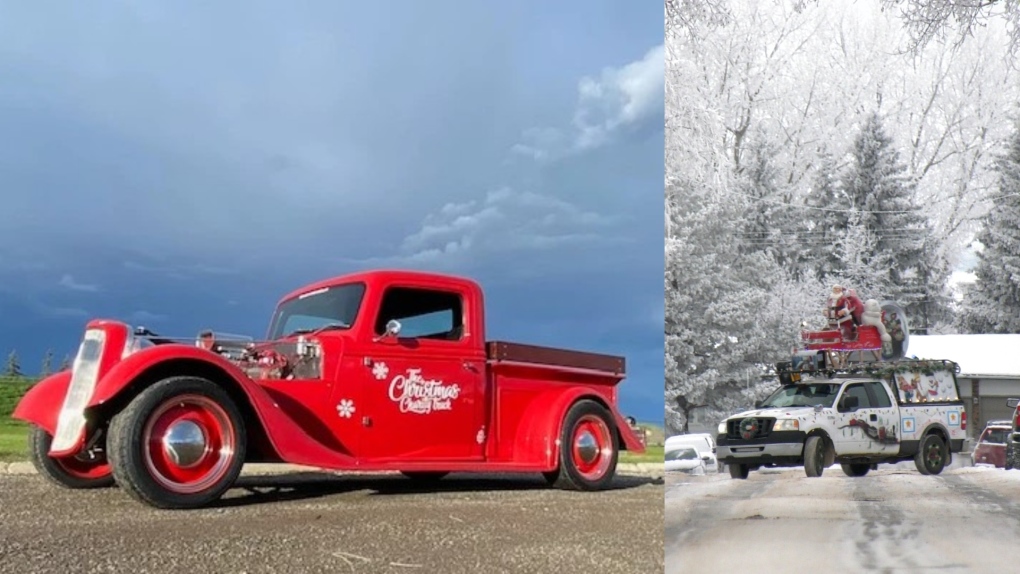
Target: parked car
{"points": [[687, 459], [991, 445], [703, 442], [379, 370]]}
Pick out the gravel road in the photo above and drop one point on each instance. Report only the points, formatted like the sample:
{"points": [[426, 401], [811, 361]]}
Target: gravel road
{"points": [[965, 520], [318, 522]]}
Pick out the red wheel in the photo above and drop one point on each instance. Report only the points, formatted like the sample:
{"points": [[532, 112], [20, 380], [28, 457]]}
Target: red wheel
{"points": [[179, 444], [589, 448], [90, 470], [189, 443]]}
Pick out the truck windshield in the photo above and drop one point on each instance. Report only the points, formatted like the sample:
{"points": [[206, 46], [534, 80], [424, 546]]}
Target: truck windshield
{"points": [[806, 395], [329, 308]]}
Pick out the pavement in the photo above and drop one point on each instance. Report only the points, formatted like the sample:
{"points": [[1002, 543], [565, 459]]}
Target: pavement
{"points": [[283, 518], [639, 468]]}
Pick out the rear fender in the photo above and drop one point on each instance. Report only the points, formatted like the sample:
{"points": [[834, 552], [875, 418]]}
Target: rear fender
{"points": [[539, 433], [41, 404], [286, 438]]}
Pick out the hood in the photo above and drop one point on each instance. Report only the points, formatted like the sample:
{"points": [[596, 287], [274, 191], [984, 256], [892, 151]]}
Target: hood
{"points": [[774, 412]]}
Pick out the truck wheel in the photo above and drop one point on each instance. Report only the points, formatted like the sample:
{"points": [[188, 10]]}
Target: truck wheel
{"points": [[814, 456], [931, 457], [589, 448], [1007, 462], [739, 471], [69, 472], [855, 469], [1013, 458], [179, 444]]}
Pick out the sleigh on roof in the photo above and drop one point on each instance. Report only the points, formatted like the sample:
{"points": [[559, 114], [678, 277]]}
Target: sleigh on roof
{"points": [[881, 337]]}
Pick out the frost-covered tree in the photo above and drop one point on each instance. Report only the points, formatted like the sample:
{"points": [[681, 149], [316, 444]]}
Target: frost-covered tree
{"points": [[65, 363], [992, 304], [880, 189]]}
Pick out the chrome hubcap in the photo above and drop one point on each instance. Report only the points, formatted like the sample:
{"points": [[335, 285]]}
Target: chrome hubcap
{"points": [[587, 447], [184, 443]]}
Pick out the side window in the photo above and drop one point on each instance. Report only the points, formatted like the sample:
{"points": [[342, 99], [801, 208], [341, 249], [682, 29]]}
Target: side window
{"points": [[423, 313], [857, 390], [881, 396]]}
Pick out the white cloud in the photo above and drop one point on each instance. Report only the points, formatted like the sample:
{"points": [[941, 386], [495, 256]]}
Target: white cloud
{"points": [[506, 220], [619, 99], [69, 282]]}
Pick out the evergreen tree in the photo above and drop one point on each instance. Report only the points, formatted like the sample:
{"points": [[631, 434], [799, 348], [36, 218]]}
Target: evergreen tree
{"points": [[992, 305], [13, 368], [824, 224], [47, 364], [768, 226], [65, 364], [904, 265]]}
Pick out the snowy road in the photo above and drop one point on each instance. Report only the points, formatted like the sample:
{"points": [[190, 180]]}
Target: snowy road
{"points": [[892, 520]]}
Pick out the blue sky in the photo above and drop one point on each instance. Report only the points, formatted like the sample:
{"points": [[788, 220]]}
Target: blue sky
{"points": [[182, 165]]}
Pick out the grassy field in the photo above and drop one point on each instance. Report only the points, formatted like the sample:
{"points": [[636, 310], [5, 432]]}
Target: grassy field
{"points": [[14, 434]]}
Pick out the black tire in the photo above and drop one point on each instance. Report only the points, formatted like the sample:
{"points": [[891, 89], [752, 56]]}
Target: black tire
{"points": [[137, 469], [67, 473], [1012, 457], [739, 471], [586, 416], [932, 456], [1007, 462], [814, 456], [855, 469], [424, 476]]}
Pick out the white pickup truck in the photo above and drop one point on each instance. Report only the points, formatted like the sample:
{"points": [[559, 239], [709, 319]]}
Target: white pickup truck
{"points": [[870, 413]]}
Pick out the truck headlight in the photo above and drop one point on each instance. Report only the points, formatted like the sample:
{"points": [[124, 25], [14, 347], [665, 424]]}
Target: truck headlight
{"points": [[786, 425], [722, 427]]}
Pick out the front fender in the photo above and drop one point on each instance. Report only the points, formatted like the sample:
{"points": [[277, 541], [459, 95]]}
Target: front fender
{"points": [[41, 404], [285, 436], [541, 425]]}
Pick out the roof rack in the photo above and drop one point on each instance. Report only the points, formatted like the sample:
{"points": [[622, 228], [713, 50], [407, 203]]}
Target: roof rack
{"points": [[790, 372]]}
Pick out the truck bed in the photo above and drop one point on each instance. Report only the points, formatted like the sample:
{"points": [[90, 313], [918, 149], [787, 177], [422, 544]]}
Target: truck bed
{"points": [[503, 351]]}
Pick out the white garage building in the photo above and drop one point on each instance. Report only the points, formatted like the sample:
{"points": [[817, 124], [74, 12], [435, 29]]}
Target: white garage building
{"points": [[989, 371]]}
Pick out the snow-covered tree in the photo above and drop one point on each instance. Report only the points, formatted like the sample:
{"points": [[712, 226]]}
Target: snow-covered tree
{"points": [[882, 192], [47, 363], [992, 304]]}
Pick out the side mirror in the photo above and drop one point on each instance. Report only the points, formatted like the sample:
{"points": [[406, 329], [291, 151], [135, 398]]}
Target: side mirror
{"points": [[706, 458], [850, 403], [1012, 403], [392, 328], [758, 403]]}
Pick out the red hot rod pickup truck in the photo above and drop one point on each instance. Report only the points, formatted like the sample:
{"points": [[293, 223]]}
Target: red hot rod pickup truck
{"points": [[373, 371]]}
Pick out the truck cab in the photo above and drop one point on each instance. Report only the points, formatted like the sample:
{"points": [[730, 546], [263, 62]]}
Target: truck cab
{"points": [[384, 370]]}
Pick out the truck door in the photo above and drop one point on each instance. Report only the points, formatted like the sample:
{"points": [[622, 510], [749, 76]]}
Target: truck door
{"points": [[871, 426], [424, 388]]}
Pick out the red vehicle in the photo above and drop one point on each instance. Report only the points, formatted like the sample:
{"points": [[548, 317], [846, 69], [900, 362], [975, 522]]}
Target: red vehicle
{"points": [[374, 371], [991, 445]]}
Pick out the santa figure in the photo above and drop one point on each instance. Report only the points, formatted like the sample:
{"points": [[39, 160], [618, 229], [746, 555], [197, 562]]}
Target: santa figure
{"points": [[844, 311]]}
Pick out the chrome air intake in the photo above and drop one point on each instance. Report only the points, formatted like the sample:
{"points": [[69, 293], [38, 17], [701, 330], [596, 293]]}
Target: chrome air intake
{"points": [[84, 375]]}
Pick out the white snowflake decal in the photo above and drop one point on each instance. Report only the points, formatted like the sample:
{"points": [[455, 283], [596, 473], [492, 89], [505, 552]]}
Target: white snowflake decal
{"points": [[480, 437], [380, 370], [345, 408]]}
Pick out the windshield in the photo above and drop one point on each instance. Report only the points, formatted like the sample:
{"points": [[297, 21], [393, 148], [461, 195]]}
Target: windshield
{"points": [[682, 454], [333, 307], [806, 395], [995, 436]]}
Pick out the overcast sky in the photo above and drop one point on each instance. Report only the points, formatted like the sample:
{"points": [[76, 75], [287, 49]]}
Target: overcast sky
{"points": [[182, 165]]}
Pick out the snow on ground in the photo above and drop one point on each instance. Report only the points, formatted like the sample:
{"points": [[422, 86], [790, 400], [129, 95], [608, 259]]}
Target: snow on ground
{"points": [[893, 519]]}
